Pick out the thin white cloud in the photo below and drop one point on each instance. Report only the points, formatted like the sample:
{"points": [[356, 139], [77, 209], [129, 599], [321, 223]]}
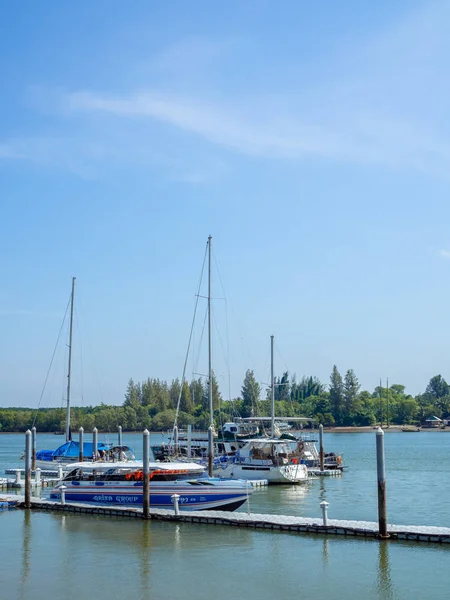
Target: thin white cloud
{"points": [[386, 106], [445, 254]]}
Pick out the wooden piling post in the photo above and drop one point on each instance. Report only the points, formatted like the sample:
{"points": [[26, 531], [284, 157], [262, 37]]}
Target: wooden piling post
{"points": [[28, 469], [382, 515], [33, 448], [321, 454], [146, 482], [81, 448]]}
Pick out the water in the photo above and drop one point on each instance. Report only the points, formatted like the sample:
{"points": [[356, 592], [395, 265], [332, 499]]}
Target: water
{"points": [[67, 556]]}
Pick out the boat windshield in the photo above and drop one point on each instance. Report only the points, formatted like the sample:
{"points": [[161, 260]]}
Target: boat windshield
{"points": [[131, 475]]}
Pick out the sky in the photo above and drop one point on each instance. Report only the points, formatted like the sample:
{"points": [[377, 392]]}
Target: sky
{"points": [[310, 140]]}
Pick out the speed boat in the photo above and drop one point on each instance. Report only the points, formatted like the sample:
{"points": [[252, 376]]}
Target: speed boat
{"points": [[121, 483]]}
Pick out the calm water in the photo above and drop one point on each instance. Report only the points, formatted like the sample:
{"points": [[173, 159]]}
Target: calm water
{"points": [[66, 556]]}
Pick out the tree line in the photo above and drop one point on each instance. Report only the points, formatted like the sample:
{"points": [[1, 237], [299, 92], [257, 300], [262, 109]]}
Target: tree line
{"points": [[153, 403]]}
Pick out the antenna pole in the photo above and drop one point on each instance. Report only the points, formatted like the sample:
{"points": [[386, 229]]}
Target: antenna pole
{"points": [[70, 361], [272, 380]]}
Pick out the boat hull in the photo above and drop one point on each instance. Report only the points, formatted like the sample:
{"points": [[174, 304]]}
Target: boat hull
{"points": [[191, 496], [288, 474]]}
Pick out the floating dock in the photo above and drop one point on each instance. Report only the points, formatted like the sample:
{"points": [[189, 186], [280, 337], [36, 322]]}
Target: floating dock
{"points": [[316, 472], [281, 523]]}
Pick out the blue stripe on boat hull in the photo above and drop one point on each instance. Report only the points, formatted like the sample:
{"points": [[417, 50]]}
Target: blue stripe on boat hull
{"points": [[200, 501]]}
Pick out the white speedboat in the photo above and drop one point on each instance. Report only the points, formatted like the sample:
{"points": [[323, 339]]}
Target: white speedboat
{"points": [[263, 458], [121, 483]]}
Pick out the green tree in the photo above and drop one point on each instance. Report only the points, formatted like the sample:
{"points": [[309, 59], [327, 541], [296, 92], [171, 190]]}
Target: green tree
{"points": [[351, 390], [132, 395], [437, 388], [250, 392], [186, 404], [337, 395]]}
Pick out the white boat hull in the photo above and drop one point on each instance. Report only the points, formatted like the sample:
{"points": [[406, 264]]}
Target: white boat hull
{"points": [[273, 473]]}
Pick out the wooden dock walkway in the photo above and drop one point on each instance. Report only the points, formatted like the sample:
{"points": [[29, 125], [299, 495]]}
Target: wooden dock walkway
{"points": [[281, 523]]}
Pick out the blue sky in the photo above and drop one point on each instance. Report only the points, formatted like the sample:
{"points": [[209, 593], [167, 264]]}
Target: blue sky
{"points": [[311, 140]]}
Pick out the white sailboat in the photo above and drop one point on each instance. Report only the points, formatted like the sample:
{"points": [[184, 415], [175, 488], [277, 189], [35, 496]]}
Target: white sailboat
{"points": [[70, 450], [271, 458]]}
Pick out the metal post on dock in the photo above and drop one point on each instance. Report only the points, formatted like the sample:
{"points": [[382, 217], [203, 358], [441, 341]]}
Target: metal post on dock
{"points": [[382, 515], [321, 455], [175, 440], [28, 469], [94, 443], [81, 448], [324, 506], [18, 481], [176, 506], [119, 437], [63, 494], [189, 441], [60, 471], [146, 482], [210, 451], [33, 448], [38, 477]]}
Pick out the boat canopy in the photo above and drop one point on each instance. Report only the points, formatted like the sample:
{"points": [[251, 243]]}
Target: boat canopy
{"points": [[71, 449]]}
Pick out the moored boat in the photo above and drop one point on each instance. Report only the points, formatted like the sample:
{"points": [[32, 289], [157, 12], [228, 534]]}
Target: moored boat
{"points": [[121, 483], [69, 452], [269, 458]]}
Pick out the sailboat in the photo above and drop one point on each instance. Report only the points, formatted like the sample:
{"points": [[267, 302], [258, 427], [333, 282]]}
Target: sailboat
{"points": [[70, 450], [197, 445], [271, 458]]}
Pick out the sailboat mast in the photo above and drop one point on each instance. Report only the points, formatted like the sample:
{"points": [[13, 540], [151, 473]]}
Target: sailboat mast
{"points": [[70, 361], [210, 390], [272, 380]]}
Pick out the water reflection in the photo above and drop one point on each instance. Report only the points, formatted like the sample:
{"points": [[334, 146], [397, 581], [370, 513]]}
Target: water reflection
{"points": [[384, 582], [136, 535], [145, 559], [26, 536], [325, 551]]}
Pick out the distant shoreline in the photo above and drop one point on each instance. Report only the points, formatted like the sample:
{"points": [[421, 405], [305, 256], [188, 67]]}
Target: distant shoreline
{"points": [[367, 429], [390, 429]]}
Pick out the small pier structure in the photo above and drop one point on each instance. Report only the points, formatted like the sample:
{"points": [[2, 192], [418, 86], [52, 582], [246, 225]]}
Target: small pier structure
{"points": [[274, 523]]}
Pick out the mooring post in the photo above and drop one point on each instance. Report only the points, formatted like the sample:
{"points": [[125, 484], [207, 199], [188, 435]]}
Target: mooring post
{"points": [[382, 517], [33, 448], [146, 482], [63, 494], [18, 478], [38, 477], [81, 448], [175, 440], [60, 471], [28, 469], [176, 507], [189, 441], [324, 506], [119, 437], [210, 450], [94, 444], [321, 455]]}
